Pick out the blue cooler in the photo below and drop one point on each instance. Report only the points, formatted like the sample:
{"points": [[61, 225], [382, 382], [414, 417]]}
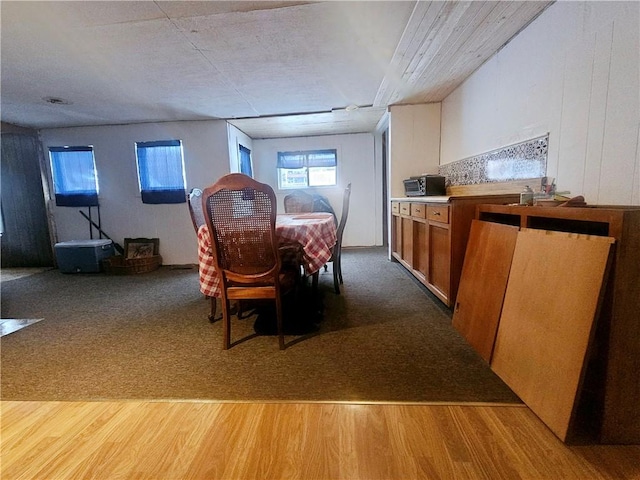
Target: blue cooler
{"points": [[82, 256]]}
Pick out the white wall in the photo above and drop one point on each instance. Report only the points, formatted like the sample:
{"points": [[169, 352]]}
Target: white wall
{"points": [[206, 158], [574, 73], [355, 165], [207, 149], [414, 143]]}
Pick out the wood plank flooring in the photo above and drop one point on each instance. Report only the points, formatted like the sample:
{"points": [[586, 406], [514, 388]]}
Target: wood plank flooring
{"points": [[207, 440]]}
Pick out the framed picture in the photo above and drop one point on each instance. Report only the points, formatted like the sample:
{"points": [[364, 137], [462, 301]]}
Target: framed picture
{"points": [[140, 247]]}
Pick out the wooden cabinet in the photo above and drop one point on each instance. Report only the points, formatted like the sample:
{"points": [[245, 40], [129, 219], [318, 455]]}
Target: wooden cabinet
{"points": [[423, 245], [439, 264], [429, 238], [609, 396]]}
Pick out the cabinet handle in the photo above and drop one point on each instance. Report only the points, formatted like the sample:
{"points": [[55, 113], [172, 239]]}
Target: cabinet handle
{"points": [[435, 213]]}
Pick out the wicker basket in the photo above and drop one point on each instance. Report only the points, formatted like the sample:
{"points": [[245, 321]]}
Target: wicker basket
{"points": [[118, 265]]}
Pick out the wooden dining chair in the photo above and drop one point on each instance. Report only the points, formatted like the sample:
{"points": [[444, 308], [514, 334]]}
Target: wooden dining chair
{"points": [[194, 202], [241, 215], [322, 204], [298, 202], [337, 248]]}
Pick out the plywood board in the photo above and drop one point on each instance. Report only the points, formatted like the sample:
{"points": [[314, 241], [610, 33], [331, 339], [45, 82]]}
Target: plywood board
{"points": [[483, 283], [552, 298]]}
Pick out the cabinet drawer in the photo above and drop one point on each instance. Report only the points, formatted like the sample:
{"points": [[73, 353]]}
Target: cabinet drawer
{"points": [[438, 213], [418, 210], [395, 207], [405, 208]]}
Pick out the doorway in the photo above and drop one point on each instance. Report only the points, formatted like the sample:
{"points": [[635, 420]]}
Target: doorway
{"points": [[385, 190], [25, 230]]}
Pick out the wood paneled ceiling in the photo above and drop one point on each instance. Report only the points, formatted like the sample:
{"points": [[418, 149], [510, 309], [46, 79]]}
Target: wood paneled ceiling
{"points": [[274, 69]]}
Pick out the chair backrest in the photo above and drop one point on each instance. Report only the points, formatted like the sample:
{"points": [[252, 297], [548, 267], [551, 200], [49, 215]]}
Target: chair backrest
{"points": [[345, 213], [241, 216], [321, 204], [194, 200], [298, 202]]}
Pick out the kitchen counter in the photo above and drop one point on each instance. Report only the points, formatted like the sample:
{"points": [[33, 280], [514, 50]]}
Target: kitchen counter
{"points": [[430, 199], [449, 198]]}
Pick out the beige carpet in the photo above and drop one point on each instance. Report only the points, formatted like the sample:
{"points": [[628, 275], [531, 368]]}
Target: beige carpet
{"points": [[147, 337]]}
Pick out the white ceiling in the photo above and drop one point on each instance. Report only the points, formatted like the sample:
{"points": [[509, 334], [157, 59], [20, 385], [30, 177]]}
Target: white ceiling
{"points": [[273, 69]]}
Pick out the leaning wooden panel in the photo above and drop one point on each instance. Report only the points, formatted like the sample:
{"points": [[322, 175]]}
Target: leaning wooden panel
{"points": [[483, 284], [552, 298]]}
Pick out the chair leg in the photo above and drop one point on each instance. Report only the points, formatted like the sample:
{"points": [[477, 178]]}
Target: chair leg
{"points": [[212, 313], [314, 285], [279, 321], [336, 283], [226, 325], [339, 262]]}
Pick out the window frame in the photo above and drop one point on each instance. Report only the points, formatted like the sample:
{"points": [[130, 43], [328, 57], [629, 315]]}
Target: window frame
{"points": [[65, 197], [305, 165], [163, 194]]}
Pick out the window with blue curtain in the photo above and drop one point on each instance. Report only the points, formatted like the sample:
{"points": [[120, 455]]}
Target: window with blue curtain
{"points": [[161, 171], [75, 181], [314, 168], [245, 161]]}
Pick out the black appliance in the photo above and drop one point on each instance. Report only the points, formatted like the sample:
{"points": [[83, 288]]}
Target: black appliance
{"points": [[424, 186]]}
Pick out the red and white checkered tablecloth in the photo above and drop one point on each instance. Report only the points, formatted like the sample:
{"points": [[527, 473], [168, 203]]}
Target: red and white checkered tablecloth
{"points": [[316, 232]]}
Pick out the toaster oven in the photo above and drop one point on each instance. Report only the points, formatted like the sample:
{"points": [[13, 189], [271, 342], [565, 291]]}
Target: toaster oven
{"points": [[424, 185]]}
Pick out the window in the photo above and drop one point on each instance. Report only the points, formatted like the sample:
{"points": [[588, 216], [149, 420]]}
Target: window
{"points": [[161, 171], [314, 168], [245, 160], [75, 181]]}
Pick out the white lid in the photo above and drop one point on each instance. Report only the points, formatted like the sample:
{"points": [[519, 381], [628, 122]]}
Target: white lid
{"points": [[85, 243]]}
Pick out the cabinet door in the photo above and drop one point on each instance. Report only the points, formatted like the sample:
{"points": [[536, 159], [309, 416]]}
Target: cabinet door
{"points": [[407, 240], [420, 250], [396, 235], [439, 266]]}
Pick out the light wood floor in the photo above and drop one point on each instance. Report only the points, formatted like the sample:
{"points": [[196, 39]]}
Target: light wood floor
{"points": [[206, 440]]}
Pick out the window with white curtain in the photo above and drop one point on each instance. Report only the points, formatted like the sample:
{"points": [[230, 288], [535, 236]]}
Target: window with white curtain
{"points": [[75, 180], [161, 171], [313, 168]]}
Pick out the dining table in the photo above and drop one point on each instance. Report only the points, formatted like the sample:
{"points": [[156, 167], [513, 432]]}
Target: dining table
{"points": [[316, 233]]}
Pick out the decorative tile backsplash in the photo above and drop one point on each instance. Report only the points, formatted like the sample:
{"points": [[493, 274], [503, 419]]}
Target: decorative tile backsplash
{"points": [[515, 162]]}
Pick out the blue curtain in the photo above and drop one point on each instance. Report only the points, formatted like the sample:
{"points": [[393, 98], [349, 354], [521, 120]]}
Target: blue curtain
{"points": [[315, 158], [322, 158], [160, 171], [291, 160], [74, 176], [245, 161]]}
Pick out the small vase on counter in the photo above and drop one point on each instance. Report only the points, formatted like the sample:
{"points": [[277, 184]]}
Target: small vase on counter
{"points": [[526, 196]]}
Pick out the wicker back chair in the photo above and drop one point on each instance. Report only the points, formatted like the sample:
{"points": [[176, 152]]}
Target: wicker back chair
{"points": [[194, 201], [337, 249], [241, 214], [298, 202]]}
